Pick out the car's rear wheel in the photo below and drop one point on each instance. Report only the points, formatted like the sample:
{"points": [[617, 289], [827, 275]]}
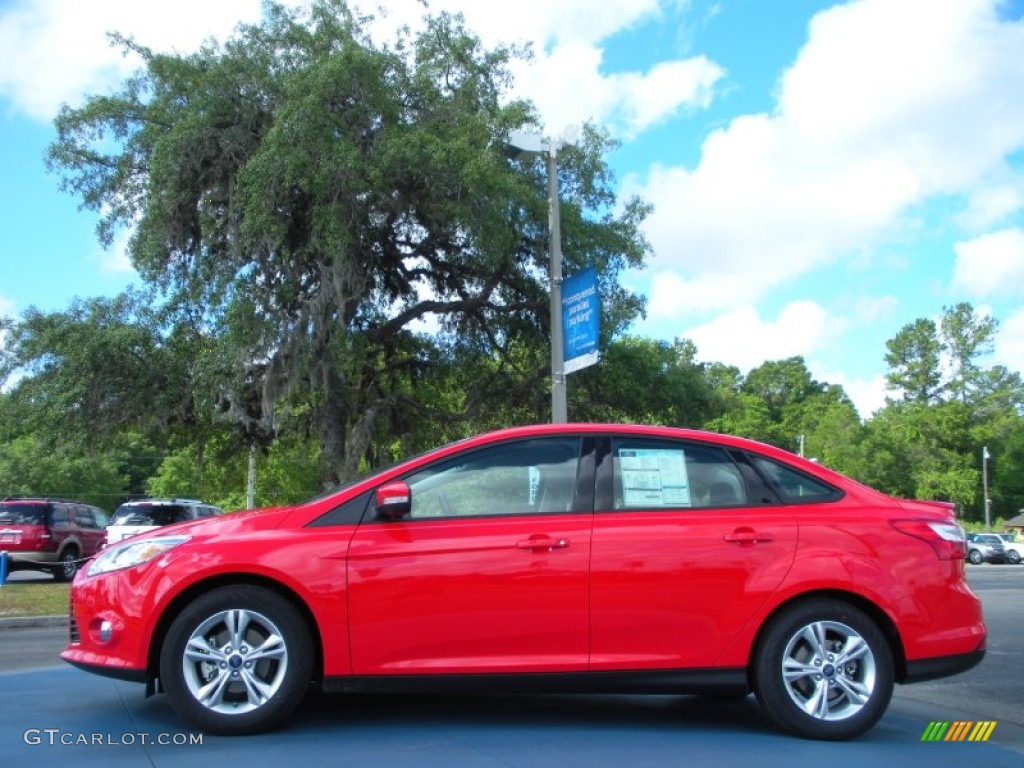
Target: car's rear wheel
{"points": [[823, 670], [67, 566], [1013, 556], [237, 660], [975, 557]]}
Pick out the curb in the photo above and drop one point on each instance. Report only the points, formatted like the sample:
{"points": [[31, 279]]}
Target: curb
{"points": [[32, 622]]}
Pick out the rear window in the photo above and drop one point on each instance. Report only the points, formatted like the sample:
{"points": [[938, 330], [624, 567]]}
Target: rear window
{"points": [[23, 514], [147, 514]]}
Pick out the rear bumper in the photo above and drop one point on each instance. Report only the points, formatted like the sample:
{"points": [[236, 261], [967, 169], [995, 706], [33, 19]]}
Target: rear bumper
{"points": [[943, 666]]}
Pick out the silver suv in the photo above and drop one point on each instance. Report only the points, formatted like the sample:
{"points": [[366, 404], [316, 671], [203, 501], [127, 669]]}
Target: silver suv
{"points": [[134, 517], [985, 548]]}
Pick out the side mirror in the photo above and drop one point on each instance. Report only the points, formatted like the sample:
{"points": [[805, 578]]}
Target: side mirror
{"points": [[393, 500]]}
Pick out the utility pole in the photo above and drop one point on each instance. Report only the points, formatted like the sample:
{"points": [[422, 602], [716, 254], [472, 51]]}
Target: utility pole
{"points": [[250, 481], [985, 456], [523, 145]]}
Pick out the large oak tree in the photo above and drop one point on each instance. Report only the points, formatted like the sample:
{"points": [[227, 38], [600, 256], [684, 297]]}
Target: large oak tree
{"points": [[318, 201]]}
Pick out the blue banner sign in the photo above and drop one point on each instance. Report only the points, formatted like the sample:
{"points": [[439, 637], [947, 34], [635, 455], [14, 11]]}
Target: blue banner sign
{"points": [[580, 310]]}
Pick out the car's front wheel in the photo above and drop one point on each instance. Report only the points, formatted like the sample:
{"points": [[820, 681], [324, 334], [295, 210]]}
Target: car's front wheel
{"points": [[975, 557], [1013, 556], [237, 660], [824, 670]]}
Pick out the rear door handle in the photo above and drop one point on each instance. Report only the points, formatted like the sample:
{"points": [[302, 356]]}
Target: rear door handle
{"points": [[743, 536], [541, 543]]}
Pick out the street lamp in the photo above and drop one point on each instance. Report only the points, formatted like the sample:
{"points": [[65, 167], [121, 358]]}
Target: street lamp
{"points": [[985, 456], [523, 145]]}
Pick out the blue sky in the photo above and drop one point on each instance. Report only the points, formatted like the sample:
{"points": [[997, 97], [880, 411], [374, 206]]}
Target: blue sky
{"points": [[823, 173]]}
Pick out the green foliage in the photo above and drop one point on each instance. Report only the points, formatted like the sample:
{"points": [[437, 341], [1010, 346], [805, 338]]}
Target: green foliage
{"points": [[29, 467], [966, 336], [914, 362], [780, 403], [285, 474], [644, 381]]}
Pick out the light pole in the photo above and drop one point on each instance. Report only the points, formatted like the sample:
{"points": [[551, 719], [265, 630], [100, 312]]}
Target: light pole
{"points": [[985, 456], [523, 145]]}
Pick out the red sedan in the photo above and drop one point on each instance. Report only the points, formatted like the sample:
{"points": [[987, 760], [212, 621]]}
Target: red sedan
{"points": [[561, 558]]}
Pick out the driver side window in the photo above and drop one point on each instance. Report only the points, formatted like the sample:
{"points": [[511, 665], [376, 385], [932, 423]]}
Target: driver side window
{"points": [[520, 478]]}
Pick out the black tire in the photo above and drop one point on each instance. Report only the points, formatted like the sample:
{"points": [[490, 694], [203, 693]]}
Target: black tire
{"points": [[975, 557], [842, 700], [1013, 557], [67, 566], [237, 660]]}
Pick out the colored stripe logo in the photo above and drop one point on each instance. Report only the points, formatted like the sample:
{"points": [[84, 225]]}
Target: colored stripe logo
{"points": [[958, 730]]}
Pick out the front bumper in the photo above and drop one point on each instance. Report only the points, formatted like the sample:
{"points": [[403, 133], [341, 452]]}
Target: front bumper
{"points": [[104, 669]]}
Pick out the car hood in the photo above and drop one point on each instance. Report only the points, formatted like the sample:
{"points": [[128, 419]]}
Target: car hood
{"points": [[229, 524]]}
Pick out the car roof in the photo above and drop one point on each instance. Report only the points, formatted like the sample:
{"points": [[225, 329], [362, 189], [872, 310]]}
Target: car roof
{"points": [[159, 502], [649, 430]]}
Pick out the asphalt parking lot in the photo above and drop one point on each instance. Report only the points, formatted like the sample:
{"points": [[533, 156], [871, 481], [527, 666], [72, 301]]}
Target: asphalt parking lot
{"points": [[57, 715]]}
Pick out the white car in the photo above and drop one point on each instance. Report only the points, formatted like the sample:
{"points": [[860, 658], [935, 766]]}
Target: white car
{"points": [[134, 517], [1014, 547]]}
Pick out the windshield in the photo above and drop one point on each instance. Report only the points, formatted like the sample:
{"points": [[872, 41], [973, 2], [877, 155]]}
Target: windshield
{"points": [[150, 514]]}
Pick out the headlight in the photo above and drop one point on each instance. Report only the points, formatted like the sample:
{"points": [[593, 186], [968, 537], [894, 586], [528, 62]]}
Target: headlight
{"points": [[133, 553]]}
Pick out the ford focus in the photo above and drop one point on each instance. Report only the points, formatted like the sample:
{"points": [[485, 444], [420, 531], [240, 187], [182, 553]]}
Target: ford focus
{"points": [[552, 558]]}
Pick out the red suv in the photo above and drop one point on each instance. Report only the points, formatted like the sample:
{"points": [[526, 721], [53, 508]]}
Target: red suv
{"points": [[50, 534], [560, 558]]}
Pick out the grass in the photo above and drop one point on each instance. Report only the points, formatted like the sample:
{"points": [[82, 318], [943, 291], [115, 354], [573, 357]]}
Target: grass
{"points": [[18, 599]]}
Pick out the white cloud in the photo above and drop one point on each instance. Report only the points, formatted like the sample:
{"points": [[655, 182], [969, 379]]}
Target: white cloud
{"points": [[868, 395], [568, 86], [115, 259], [54, 51], [889, 103], [543, 22], [566, 78], [743, 339], [991, 205], [1009, 346], [803, 328], [990, 265]]}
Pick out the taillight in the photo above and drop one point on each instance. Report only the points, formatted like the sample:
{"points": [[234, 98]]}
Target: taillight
{"points": [[947, 539]]}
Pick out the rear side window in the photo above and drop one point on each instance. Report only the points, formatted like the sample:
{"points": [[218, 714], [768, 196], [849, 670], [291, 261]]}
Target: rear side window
{"points": [[793, 486], [61, 516], [23, 514], [662, 474], [85, 518]]}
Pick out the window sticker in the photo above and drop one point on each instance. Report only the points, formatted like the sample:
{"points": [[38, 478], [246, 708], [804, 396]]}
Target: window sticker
{"points": [[654, 477], [534, 479]]}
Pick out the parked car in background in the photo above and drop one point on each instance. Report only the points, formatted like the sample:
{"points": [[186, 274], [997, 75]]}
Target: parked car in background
{"points": [[558, 557], [54, 535], [985, 548], [1014, 547], [143, 515]]}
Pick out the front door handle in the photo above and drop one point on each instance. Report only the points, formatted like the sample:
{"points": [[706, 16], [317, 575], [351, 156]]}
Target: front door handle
{"points": [[543, 543], [746, 536]]}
